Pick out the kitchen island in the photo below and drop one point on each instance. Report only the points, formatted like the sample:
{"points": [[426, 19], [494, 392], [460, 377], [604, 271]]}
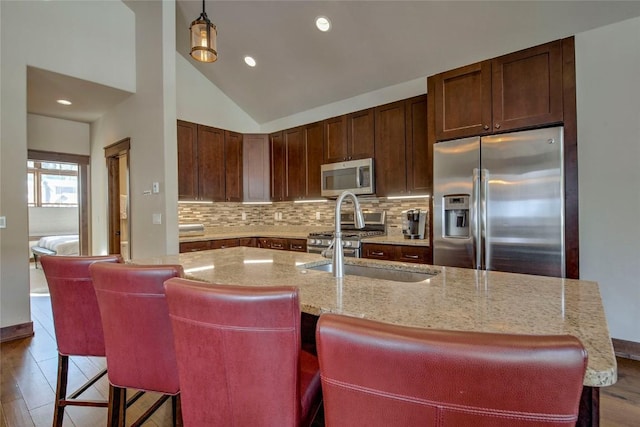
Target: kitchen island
{"points": [[452, 298]]}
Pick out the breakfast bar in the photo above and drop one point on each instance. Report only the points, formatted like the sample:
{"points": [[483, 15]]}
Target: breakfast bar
{"points": [[443, 298]]}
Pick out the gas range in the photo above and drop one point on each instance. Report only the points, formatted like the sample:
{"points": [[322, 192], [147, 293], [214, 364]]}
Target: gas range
{"points": [[351, 236]]}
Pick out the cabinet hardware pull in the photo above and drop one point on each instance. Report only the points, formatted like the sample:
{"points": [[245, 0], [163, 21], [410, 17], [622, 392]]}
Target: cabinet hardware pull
{"points": [[497, 126], [486, 127], [377, 253], [411, 256]]}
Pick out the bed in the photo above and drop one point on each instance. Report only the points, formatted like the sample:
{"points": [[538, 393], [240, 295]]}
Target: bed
{"points": [[56, 245]]}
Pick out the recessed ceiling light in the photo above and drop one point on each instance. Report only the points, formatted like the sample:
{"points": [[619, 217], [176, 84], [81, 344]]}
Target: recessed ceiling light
{"points": [[323, 23], [250, 61], [63, 102]]}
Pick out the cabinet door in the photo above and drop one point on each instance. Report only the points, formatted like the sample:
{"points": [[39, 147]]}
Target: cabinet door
{"points": [[202, 245], [418, 162], [296, 164], [527, 87], [335, 139], [375, 251], [360, 134], [248, 241], [278, 166], [233, 166], [297, 245], [255, 171], [211, 175], [314, 139], [187, 161], [463, 101], [224, 243], [390, 167], [416, 254]]}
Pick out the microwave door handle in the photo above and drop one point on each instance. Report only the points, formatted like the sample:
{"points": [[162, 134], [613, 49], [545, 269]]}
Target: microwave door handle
{"points": [[358, 174]]}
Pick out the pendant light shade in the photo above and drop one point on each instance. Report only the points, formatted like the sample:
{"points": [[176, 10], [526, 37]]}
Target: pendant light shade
{"points": [[203, 39]]}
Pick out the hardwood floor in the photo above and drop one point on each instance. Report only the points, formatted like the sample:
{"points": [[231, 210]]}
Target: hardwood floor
{"points": [[28, 378]]}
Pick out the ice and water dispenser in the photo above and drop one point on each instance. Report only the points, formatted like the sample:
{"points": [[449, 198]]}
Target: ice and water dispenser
{"points": [[456, 216]]}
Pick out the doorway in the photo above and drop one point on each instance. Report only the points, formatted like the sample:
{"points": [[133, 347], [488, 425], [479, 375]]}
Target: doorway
{"points": [[119, 226]]}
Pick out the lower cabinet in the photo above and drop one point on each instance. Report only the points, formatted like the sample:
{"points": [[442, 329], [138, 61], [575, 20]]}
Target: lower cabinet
{"points": [[296, 245], [404, 253], [204, 245]]}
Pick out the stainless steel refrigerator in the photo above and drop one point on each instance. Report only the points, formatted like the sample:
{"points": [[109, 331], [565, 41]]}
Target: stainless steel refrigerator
{"points": [[499, 202]]}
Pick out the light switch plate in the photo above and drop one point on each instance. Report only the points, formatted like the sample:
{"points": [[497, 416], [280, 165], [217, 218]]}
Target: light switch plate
{"points": [[3, 222], [155, 188]]}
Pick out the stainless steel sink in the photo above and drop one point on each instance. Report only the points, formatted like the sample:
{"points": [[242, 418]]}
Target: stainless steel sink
{"points": [[378, 273]]}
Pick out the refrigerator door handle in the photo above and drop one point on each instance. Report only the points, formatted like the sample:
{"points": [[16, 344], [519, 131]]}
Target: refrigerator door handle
{"points": [[475, 236], [484, 231]]}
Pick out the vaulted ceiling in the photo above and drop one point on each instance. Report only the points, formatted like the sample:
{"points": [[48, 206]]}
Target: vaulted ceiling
{"points": [[372, 45]]}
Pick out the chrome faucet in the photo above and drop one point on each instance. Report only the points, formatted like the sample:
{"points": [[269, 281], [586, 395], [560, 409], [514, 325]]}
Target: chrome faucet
{"points": [[338, 253]]}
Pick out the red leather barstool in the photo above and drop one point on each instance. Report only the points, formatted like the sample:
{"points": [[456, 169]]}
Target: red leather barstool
{"points": [[137, 332], [239, 355], [377, 374], [76, 320]]}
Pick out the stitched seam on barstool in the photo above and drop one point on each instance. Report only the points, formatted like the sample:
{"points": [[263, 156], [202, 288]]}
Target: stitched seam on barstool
{"points": [[210, 325], [453, 407]]}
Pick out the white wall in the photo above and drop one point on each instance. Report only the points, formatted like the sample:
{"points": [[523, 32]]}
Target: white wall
{"points": [[148, 119], [99, 50], [57, 135], [200, 101], [371, 99], [608, 102]]}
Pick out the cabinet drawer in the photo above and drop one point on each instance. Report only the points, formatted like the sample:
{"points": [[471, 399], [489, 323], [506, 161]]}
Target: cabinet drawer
{"points": [[417, 254], [248, 241], [386, 252], [279, 244], [298, 245], [224, 243], [202, 245]]}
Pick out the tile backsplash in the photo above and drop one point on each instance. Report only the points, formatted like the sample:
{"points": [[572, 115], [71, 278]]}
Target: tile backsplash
{"points": [[286, 214]]}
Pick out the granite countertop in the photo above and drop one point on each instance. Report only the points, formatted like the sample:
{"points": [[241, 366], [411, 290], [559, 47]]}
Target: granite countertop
{"points": [[454, 298]]}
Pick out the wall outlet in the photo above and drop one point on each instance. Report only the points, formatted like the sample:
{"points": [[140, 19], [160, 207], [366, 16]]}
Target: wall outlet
{"points": [[155, 188], [279, 216], [156, 218], [275, 216], [317, 215], [244, 216]]}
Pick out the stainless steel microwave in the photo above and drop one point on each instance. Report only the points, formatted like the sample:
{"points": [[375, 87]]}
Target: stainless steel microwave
{"points": [[356, 176]]}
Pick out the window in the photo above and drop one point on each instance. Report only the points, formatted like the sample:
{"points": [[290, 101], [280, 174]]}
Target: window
{"points": [[52, 184]]}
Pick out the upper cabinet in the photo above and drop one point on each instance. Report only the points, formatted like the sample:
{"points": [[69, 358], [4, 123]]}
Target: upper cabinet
{"points": [[402, 160], [209, 163], [349, 137], [233, 166], [296, 157], [256, 167], [514, 91]]}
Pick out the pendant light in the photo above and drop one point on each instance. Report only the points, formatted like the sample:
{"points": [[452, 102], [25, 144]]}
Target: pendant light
{"points": [[203, 38]]}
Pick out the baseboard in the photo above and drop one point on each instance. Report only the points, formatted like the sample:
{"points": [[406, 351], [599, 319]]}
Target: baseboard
{"points": [[626, 349], [16, 332]]}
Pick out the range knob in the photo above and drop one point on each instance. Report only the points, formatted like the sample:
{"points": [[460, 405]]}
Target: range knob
{"points": [[347, 244]]}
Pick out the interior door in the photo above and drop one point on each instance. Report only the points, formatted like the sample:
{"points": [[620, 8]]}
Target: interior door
{"points": [[119, 233]]}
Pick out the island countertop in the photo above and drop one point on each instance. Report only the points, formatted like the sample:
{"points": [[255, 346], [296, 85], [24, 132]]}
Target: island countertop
{"points": [[454, 298]]}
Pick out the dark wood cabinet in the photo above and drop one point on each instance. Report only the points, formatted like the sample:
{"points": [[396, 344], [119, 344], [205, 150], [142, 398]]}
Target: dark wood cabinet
{"points": [[390, 147], [211, 170], [187, 161], [515, 91], [296, 164], [402, 161], [248, 241], [314, 141], [417, 146], [297, 245], [209, 163], [278, 157], [233, 166], [403, 253], [335, 139], [527, 87], [224, 243], [256, 168], [349, 137], [202, 245]]}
